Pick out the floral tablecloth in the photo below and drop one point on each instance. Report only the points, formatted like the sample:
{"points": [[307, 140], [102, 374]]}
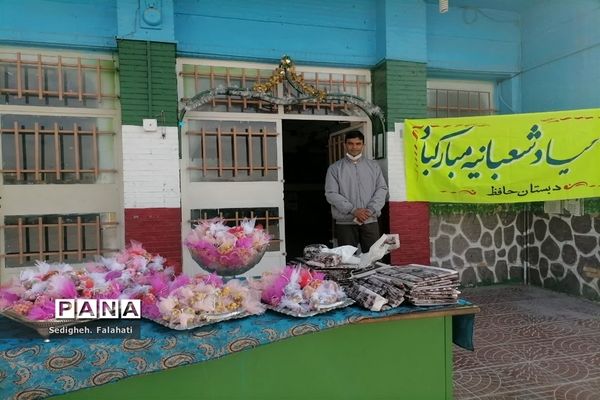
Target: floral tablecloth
{"points": [[32, 368]]}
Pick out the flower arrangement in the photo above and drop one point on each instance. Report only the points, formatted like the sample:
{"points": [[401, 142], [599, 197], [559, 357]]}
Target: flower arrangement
{"points": [[226, 250], [207, 296], [300, 290], [34, 293], [132, 274]]}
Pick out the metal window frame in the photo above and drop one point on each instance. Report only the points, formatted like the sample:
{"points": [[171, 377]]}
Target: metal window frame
{"points": [[264, 165], [461, 86], [40, 65], [43, 233]]}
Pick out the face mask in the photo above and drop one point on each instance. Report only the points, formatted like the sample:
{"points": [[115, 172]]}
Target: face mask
{"points": [[354, 158]]}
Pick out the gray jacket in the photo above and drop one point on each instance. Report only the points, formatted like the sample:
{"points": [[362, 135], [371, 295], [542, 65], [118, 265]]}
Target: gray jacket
{"points": [[350, 185]]}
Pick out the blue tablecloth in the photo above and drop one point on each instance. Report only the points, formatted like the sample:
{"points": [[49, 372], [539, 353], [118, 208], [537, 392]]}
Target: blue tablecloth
{"points": [[32, 368]]}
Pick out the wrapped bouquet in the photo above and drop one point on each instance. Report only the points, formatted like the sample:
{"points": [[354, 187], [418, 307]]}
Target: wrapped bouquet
{"points": [[205, 298], [300, 290], [226, 250]]}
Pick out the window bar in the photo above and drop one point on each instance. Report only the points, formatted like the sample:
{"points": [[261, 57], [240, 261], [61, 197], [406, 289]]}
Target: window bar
{"points": [[447, 104], [40, 238], [79, 80], [95, 151], [344, 90], [39, 76], [98, 233], [317, 87], [19, 77], [235, 163], [219, 151], [212, 84], [60, 239], [265, 153], [436, 102], [79, 238], [17, 152], [36, 151], [244, 101], [303, 103], [267, 221], [489, 103], [227, 79], [203, 144], [59, 73], [76, 149], [258, 82], [250, 160], [57, 151], [20, 229], [196, 81], [98, 82], [331, 107], [357, 85], [237, 217]]}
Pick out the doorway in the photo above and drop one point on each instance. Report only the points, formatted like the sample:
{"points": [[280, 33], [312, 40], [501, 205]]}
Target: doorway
{"points": [[305, 163]]}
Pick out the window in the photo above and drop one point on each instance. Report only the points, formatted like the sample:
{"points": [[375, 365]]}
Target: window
{"points": [[333, 83], [59, 126], [232, 150], [57, 238], [199, 78], [57, 81], [267, 217], [54, 149], [447, 98]]}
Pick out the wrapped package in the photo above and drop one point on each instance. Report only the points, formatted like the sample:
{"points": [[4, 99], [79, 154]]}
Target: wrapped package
{"points": [[365, 297], [312, 250], [323, 260]]}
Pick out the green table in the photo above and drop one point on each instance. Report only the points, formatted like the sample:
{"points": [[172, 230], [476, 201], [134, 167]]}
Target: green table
{"points": [[406, 356]]}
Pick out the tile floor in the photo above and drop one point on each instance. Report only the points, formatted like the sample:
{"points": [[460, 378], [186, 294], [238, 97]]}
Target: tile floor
{"points": [[530, 343]]}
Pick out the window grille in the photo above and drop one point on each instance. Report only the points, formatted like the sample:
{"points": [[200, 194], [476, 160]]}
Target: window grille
{"points": [[232, 150], [56, 238], [57, 81], [198, 78], [458, 103], [51, 149], [332, 83], [267, 217]]}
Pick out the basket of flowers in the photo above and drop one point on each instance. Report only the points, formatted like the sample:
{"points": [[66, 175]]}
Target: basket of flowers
{"points": [[225, 250]]}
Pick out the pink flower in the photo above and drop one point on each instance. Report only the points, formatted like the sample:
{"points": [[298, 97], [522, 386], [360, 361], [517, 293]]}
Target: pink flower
{"points": [[42, 311]]}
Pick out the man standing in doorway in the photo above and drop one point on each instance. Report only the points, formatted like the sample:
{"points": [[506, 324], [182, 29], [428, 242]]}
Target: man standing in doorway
{"points": [[356, 190]]}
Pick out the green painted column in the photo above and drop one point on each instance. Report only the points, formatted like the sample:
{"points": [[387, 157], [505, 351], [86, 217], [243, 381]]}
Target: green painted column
{"points": [[148, 81], [400, 89]]}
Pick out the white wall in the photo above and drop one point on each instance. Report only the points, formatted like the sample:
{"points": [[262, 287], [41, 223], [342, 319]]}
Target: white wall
{"points": [[151, 167]]}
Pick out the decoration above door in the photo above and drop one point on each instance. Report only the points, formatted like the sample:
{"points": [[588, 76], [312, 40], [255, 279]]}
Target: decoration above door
{"points": [[286, 71]]}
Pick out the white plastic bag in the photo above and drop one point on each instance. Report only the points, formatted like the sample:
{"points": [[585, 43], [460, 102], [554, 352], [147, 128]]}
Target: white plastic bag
{"points": [[385, 244], [346, 252]]}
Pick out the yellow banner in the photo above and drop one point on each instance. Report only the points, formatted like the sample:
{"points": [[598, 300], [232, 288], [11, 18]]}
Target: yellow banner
{"points": [[503, 158]]}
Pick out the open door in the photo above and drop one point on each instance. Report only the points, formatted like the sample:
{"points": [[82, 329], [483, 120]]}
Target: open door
{"points": [[337, 151]]}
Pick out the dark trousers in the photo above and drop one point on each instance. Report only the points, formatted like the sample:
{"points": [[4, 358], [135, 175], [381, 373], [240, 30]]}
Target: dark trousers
{"points": [[353, 234]]}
